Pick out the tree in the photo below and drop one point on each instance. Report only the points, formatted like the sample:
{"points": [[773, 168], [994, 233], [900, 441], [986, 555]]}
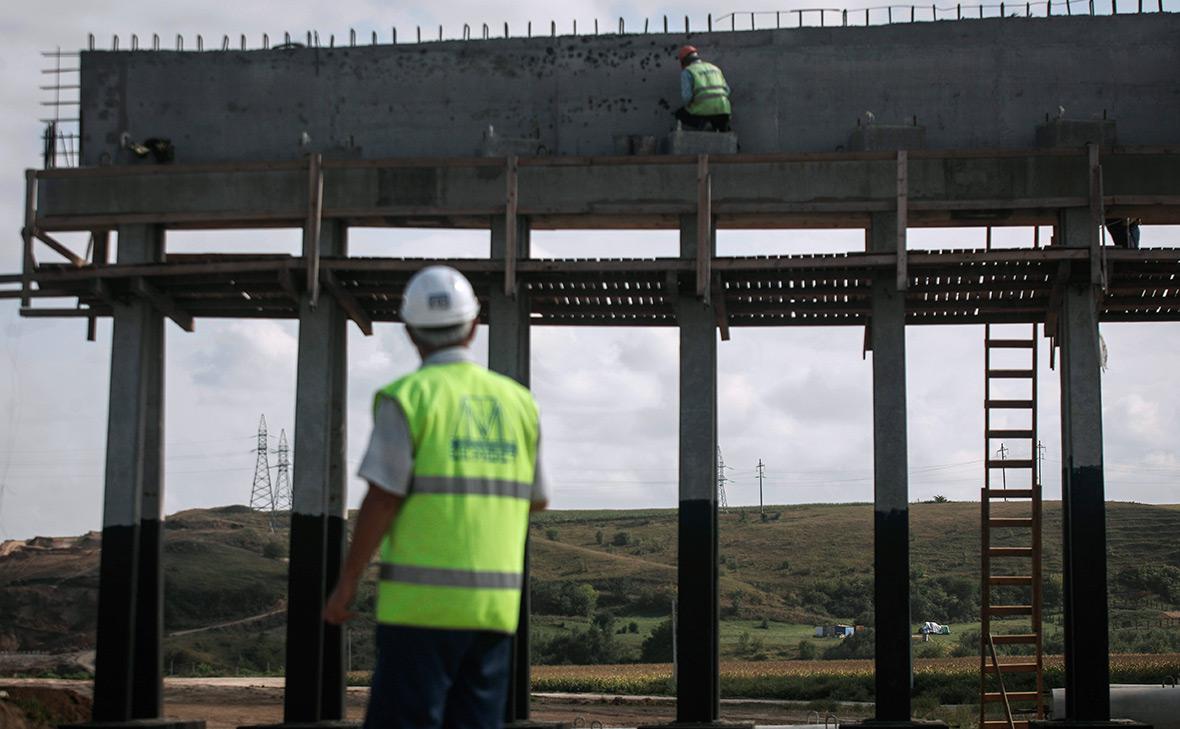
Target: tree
{"points": [[551, 534], [657, 647], [807, 650], [599, 537], [940, 499], [621, 539]]}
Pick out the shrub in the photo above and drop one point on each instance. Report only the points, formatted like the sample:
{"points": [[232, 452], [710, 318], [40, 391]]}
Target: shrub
{"points": [[621, 539], [807, 650], [551, 534], [657, 647], [563, 598]]}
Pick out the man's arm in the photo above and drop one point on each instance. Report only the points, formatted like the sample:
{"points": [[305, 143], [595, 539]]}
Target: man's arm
{"points": [[378, 511]]}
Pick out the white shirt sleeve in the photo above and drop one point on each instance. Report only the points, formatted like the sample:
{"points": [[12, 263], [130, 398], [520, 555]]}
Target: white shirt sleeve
{"points": [[389, 461]]}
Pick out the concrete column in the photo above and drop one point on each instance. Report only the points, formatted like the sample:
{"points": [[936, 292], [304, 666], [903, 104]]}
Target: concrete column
{"points": [[315, 651], [698, 698], [128, 681], [508, 354], [891, 519], [1087, 660]]}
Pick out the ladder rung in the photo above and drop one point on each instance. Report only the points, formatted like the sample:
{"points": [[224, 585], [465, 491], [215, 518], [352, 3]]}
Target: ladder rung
{"points": [[1003, 724], [1014, 639], [1012, 696], [1009, 610], [1010, 580], [1009, 493], [1010, 433], [1009, 463], [1013, 668], [1011, 343], [1010, 521], [1010, 551], [1009, 404], [1011, 374]]}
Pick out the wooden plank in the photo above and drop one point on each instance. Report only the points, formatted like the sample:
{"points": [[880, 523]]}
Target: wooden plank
{"points": [[28, 264], [704, 227], [349, 303], [1097, 218], [720, 311], [511, 223], [59, 248], [902, 219], [163, 303], [311, 227]]}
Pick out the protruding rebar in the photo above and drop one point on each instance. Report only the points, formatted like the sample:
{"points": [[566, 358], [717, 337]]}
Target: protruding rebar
{"points": [[115, 43], [134, 42], [505, 29], [374, 38], [686, 30], [393, 34], [351, 37], [709, 22], [90, 41], [225, 42], [200, 42], [179, 42], [440, 32], [665, 23], [243, 42], [622, 28], [286, 39], [486, 31], [265, 41]]}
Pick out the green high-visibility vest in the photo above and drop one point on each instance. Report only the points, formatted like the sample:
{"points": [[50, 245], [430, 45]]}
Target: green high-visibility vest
{"points": [[710, 93], [453, 558]]}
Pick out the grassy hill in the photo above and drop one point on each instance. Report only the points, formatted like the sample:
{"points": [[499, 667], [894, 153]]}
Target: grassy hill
{"points": [[608, 571]]}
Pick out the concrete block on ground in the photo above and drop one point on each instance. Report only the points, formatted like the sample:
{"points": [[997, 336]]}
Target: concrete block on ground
{"points": [[1077, 133], [887, 138], [684, 141], [632, 144]]}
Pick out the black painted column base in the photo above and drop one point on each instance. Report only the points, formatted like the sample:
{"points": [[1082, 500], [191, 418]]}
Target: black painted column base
{"points": [[325, 724], [913, 723], [530, 724], [1064, 723], [139, 724]]}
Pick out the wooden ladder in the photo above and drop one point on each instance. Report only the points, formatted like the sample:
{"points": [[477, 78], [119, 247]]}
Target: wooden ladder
{"points": [[1026, 490]]}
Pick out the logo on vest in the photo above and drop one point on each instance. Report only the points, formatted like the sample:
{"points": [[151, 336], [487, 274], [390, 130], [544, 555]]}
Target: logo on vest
{"points": [[480, 433]]}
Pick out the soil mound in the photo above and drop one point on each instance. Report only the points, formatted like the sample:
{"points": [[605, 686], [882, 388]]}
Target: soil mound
{"points": [[39, 707]]}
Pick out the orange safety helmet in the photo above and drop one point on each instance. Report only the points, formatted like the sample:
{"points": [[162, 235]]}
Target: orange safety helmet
{"points": [[685, 52]]}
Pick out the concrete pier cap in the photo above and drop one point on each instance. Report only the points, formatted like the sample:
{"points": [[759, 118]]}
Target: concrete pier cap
{"points": [[969, 84]]}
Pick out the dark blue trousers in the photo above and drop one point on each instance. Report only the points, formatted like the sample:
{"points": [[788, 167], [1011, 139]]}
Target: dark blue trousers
{"points": [[431, 679]]}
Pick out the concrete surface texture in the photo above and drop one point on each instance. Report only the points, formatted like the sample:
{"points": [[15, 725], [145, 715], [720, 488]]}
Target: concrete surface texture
{"points": [[970, 84]]}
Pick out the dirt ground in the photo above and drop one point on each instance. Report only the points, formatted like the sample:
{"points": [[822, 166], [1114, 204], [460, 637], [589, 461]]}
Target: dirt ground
{"points": [[227, 703]]}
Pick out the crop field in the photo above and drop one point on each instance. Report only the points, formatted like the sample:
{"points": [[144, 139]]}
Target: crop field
{"points": [[945, 680]]}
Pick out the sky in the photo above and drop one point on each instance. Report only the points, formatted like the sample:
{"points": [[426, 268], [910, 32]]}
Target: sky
{"points": [[796, 399]]}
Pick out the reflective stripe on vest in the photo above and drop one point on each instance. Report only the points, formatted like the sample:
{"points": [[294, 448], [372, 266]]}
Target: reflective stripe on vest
{"points": [[440, 577], [710, 93], [453, 557]]}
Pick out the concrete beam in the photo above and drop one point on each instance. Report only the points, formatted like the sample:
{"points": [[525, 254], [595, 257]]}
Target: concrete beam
{"points": [[128, 681], [891, 547], [509, 354], [966, 188], [574, 95], [315, 651], [698, 697], [1087, 659]]}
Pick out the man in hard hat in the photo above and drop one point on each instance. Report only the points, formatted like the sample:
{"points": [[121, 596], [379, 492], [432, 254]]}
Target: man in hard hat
{"points": [[704, 93], [453, 472]]}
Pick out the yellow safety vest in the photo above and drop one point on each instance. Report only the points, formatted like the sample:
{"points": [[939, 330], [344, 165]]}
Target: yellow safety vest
{"points": [[453, 558], [710, 93]]}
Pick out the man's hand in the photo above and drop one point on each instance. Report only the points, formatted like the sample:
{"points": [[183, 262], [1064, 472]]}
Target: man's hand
{"points": [[337, 609]]}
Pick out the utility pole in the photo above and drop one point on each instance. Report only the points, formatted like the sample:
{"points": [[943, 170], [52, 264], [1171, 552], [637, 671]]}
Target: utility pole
{"points": [[761, 474], [262, 497], [1040, 460], [721, 479], [283, 501], [1003, 453]]}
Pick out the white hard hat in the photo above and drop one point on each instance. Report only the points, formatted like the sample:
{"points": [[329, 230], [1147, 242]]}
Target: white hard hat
{"points": [[438, 296]]}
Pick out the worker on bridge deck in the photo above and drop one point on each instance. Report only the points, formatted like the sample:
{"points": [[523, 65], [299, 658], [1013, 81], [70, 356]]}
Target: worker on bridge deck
{"points": [[704, 93], [453, 468]]}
